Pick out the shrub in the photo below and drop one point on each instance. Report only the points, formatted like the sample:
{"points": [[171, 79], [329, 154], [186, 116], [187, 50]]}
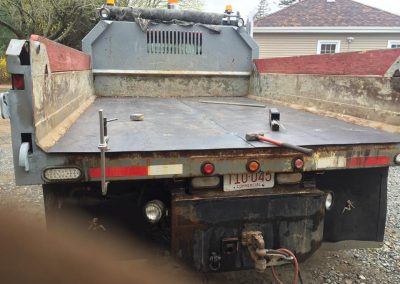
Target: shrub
{"points": [[4, 75]]}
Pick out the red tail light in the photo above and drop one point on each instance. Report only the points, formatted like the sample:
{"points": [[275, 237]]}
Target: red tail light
{"points": [[207, 168], [298, 164], [18, 82]]}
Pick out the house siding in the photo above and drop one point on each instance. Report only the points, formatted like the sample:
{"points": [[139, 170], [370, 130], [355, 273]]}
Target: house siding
{"points": [[293, 44]]}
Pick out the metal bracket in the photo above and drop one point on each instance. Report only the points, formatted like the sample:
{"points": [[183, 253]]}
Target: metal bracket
{"points": [[103, 147], [23, 158], [4, 107], [274, 117]]}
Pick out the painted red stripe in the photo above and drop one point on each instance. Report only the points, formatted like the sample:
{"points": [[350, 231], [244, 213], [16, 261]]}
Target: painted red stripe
{"points": [[368, 161], [374, 62], [120, 172], [63, 58]]}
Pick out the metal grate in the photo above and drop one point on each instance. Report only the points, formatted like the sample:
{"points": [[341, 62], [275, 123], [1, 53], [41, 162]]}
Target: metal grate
{"points": [[174, 42]]}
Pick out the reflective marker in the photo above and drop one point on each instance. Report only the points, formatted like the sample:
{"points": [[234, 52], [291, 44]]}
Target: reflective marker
{"points": [[57, 174], [367, 161], [17, 81]]}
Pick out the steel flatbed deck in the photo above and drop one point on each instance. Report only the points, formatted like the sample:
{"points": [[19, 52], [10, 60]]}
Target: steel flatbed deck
{"points": [[173, 124]]}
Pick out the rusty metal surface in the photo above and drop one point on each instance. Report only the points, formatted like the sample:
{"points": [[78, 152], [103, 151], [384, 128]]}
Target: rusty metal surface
{"points": [[163, 85], [287, 217], [368, 97], [173, 124], [58, 98]]}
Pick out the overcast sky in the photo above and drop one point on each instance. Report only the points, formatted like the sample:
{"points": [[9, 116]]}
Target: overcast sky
{"points": [[245, 7]]}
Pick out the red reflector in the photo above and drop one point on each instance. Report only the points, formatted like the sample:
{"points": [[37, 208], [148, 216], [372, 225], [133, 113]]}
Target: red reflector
{"points": [[298, 164], [18, 82], [367, 161], [119, 172], [207, 168]]}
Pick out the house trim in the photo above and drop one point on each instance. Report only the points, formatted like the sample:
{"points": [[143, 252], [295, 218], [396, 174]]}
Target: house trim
{"points": [[320, 42], [331, 30], [390, 42]]}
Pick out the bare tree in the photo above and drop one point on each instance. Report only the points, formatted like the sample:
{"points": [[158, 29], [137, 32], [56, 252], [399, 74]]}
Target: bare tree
{"points": [[54, 19], [192, 4], [65, 21], [263, 9], [286, 3], [185, 4], [144, 3]]}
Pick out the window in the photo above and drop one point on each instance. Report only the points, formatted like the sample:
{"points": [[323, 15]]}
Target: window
{"points": [[328, 46], [394, 44]]}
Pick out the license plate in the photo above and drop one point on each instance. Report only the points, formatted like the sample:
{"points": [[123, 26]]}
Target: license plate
{"points": [[248, 181]]}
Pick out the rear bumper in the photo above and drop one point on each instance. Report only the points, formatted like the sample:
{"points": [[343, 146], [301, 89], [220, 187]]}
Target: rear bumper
{"points": [[211, 223], [214, 224]]}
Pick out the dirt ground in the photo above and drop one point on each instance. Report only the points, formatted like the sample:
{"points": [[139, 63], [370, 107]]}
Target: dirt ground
{"points": [[351, 266], [3, 87]]}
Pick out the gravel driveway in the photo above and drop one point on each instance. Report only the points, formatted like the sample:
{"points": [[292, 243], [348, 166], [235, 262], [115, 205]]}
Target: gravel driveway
{"points": [[352, 266]]}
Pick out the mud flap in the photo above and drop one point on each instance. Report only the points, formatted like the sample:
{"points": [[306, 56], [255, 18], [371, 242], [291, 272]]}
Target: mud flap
{"points": [[359, 209]]}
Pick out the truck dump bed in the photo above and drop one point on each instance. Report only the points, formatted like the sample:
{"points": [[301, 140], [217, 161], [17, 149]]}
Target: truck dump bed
{"points": [[165, 79], [187, 124]]}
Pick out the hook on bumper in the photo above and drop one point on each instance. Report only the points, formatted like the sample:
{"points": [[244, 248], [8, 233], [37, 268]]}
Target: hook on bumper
{"points": [[262, 257]]}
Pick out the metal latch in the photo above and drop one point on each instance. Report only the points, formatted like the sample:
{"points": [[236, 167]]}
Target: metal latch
{"points": [[4, 106]]}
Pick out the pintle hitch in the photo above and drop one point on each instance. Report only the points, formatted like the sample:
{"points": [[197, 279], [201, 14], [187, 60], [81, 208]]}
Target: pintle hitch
{"points": [[262, 257]]}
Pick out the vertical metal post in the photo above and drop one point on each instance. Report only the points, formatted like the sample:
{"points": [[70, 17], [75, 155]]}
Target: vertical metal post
{"points": [[102, 147], [102, 140]]}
